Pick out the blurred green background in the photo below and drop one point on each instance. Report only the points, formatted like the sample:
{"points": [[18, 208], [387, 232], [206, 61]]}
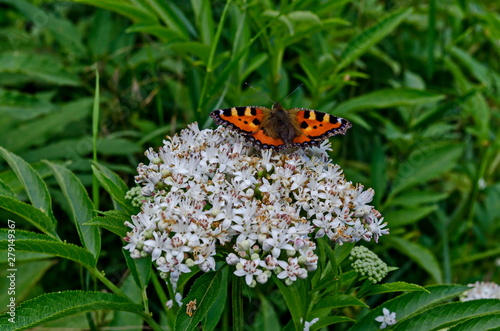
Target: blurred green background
{"points": [[420, 81]]}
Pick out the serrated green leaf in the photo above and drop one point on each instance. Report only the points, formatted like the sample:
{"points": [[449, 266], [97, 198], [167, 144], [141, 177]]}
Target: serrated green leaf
{"points": [[449, 314], [28, 276], [482, 322], [409, 304], [37, 243], [52, 306], [387, 99], [393, 287], [114, 186], [80, 205], [5, 190], [204, 290], [214, 314], [31, 214], [362, 42], [419, 254], [425, 163], [407, 216], [113, 221], [35, 187]]}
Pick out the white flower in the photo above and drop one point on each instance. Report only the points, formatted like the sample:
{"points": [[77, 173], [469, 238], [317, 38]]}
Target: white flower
{"points": [[178, 298], [482, 290], [387, 319], [307, 324], [248, 269], [157, 245]]}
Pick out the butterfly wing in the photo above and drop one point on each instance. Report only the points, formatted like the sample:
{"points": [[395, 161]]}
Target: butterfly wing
{"points": [[245, 120], [317, 126]]}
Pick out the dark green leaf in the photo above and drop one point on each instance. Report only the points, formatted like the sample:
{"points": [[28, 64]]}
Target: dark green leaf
{"points": [[80, 205], [419, 254], [450, 314], [33, 242], [52, 306], [204, 291]]}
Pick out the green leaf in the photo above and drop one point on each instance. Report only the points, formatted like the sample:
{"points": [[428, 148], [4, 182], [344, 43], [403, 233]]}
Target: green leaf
{"points": [[35, 188], [31, 214], [132, 11], [38, 131], [113, 220], [387, 99], [337, 301], [424, 163], [172, 17], [52, 306], [139, 268], [64, 31], [33, 242], [114, 186], [409, 304], [6, 191], [204, 291], [296, 299], [485, 74], [407, 216], [204, 19], [215, 312], [393, 287], [326, 321], [365, 40], [38, 66], [80, 205], [481, 322], [419, 254], [166, 35], [415, 198], [449, 314], [23, 106]]}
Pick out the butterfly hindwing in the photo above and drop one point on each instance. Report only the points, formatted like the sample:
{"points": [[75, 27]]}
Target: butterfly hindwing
{"points": [[317, 125]]}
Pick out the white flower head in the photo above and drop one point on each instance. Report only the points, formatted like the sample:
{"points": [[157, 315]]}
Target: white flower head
{"points": [[482, 290], [211, 195], [387, 318]]}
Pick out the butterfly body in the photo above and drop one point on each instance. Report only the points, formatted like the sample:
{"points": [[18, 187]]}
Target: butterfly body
{"points": [[281, 128]]}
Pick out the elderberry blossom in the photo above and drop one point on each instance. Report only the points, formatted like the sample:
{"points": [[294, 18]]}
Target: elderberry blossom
{"points": [[211, 197], [481, 290]]}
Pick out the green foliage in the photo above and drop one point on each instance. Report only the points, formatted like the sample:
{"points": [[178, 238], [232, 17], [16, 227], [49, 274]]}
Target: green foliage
{"points": [[420, 84]]}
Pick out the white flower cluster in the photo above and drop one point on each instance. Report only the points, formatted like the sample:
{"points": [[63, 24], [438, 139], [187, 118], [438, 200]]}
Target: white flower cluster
{"points": [[211, 193], [482, 290]]}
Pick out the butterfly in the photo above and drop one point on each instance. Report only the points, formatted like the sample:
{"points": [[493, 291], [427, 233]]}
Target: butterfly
{"points": [[281, 128]]}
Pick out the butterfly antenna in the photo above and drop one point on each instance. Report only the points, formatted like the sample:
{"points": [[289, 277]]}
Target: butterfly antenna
{"points": [[297, 88], [267, 96]]}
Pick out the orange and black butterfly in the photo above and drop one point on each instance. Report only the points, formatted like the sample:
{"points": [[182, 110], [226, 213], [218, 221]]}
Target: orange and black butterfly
{"points": [[280, 128]]}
